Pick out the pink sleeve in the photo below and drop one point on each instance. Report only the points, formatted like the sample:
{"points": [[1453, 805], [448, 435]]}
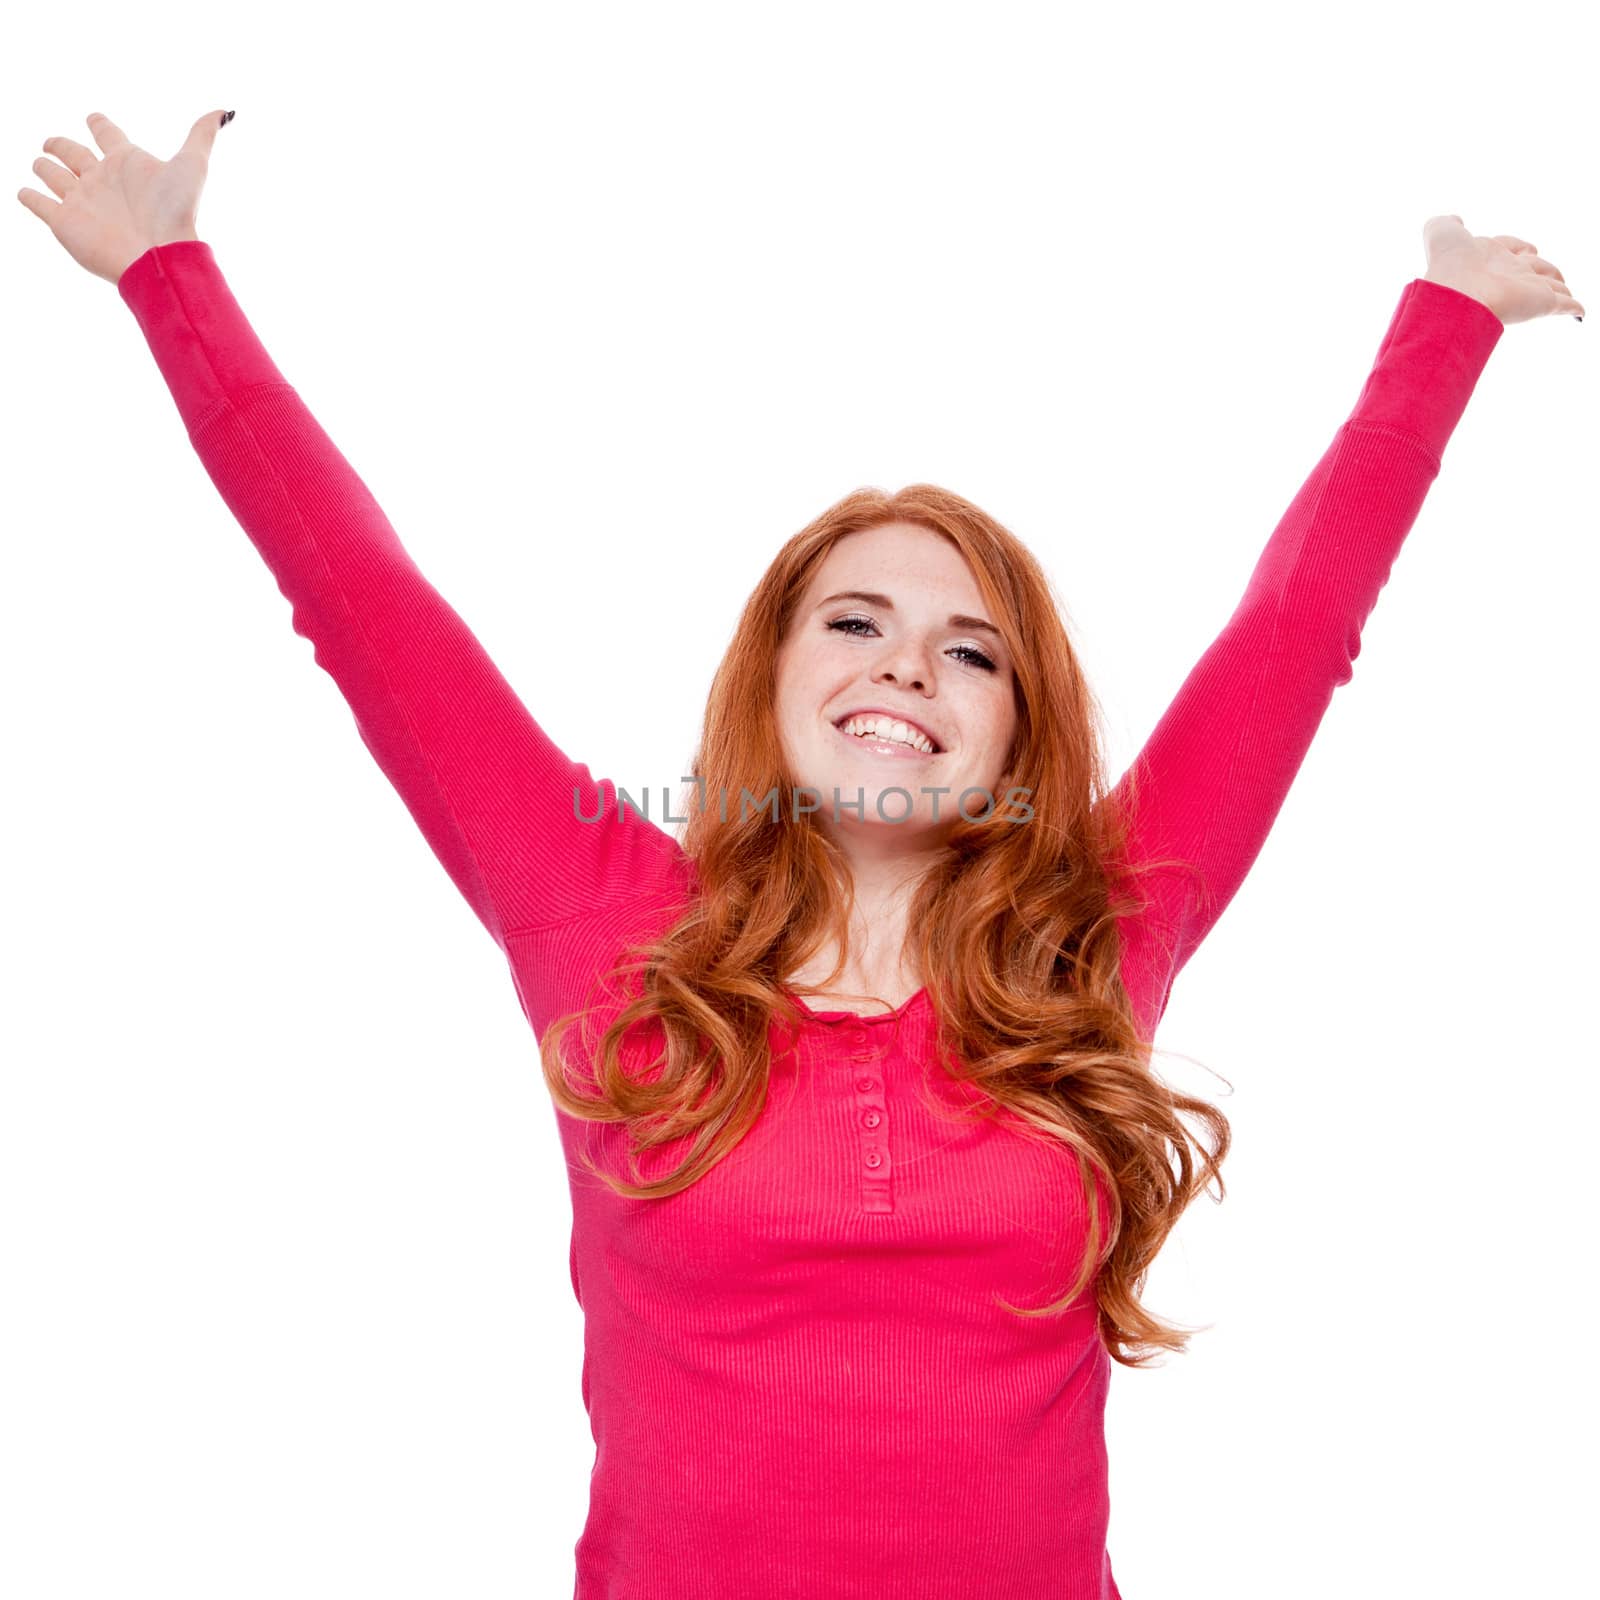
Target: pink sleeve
{"points": [[1212, 777], [492, 794]]}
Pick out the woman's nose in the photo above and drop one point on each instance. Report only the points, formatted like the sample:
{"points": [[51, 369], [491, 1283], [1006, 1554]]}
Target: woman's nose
{"points": [[905, 663]]}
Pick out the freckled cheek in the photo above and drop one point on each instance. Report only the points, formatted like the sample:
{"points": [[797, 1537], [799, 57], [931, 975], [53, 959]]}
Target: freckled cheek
{"points": [[994, 728], [985, 720]]}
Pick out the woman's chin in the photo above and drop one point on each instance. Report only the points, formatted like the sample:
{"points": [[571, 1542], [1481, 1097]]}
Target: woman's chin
{"points": [[857, 799]]}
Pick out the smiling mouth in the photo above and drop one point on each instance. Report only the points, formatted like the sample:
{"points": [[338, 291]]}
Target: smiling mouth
{"points": [[885, 744]]}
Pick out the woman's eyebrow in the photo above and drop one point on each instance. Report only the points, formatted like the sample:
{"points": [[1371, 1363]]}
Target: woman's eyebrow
{"points": [[884, 603]]}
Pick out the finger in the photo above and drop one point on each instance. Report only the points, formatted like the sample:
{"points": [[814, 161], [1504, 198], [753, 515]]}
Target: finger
{"points": [[44, 209], [1547, 269], [1561, 300], [72, 154], [56, 175], [1513, 243], [106, 133], [1437, 232], [202, 135]]}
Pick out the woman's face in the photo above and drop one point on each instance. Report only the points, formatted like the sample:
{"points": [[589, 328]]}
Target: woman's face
{"points": [[893, 626]]}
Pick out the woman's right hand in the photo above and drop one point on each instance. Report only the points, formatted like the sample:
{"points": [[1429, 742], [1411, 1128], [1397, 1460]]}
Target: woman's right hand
{"points": [[111, 210]]}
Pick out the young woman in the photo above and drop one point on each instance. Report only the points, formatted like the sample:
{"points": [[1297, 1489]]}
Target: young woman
{"points": [[854, 1267]]}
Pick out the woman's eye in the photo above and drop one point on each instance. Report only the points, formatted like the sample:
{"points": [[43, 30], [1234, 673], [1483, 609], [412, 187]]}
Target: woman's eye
{"points": [[850, 623], [969, 653]]}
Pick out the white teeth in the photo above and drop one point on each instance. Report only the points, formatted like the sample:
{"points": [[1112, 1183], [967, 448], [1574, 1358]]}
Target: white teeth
{"points": [[888, 728]]}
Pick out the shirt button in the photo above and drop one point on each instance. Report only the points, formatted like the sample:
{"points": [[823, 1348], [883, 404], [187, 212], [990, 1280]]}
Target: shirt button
{"points": [[866, 1085], [870, 1119], [874, 1158]]}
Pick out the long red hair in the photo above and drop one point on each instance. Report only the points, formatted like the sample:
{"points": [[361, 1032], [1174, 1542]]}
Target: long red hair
{"points": [[1014, 930]]}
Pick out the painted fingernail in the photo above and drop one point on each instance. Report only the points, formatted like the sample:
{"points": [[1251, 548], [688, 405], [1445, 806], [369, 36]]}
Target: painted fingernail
{"points": [[227, 117]]}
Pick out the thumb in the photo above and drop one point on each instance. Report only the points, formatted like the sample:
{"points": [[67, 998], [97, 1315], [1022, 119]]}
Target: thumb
{"points": [[1439, 233], [204, 132]]}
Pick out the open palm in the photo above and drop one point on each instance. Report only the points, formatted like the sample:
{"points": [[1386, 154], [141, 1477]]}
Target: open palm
{"points": [[111, 208]]}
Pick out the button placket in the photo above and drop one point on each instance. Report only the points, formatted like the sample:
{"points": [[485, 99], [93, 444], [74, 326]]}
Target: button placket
{"points": [[871, 1117]]}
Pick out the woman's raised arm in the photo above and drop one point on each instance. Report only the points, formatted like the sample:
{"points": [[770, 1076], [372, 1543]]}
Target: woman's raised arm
{"points": [[489, 789], [1210, 780], [497, 801]]}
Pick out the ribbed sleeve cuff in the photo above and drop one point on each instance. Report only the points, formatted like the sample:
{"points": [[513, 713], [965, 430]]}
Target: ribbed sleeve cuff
{"points": [[205, 349], [1428, 364]]}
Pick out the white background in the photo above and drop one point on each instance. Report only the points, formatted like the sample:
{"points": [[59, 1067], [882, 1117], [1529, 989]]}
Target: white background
{"points": [[604, 305]]}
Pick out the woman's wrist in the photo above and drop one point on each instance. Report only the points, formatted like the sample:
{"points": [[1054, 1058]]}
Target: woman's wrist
{"points": [[143, 246], [1461, 284]]}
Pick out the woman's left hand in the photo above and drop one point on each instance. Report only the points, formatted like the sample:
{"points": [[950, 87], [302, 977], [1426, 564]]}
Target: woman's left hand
{"points": [[1505, 273]]}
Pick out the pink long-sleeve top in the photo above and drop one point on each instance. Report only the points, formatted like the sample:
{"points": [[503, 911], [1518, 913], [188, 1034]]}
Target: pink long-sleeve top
{"points": [[797, 1375]]}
